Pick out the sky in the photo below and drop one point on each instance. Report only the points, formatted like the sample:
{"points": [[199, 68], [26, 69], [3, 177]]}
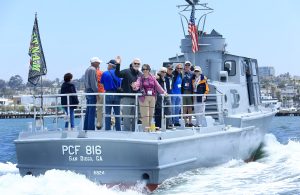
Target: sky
{"points": [[74, 31]]}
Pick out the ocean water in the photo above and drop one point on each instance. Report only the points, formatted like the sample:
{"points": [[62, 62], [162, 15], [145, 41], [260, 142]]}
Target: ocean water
{"points": [[277, 172]]}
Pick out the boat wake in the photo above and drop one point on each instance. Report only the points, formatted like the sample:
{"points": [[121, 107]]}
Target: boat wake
{"points": [[56, 182], [277, 172]]}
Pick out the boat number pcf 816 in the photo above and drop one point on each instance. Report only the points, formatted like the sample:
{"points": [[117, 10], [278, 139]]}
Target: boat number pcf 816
{"points": [[82, 153]]}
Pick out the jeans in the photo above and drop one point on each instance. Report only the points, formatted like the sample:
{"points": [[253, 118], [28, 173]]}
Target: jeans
{"points": [[71, 117], [112, 100], [176, 102], [90, 113], [129, 123]]}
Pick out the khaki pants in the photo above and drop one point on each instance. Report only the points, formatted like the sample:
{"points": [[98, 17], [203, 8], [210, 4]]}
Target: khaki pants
{"points": [[99, 111], [147, 109]]}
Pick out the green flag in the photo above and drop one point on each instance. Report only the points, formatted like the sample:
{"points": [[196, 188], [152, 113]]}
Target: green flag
{"points": [[37, 66]]}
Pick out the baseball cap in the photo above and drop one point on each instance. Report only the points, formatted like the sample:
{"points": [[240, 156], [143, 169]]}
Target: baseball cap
{"points": [[197, 68], [112, 62], [95, 59]]}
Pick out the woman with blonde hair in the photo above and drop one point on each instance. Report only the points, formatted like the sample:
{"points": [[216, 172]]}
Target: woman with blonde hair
{"points": [[164, 82], [148, 86]]}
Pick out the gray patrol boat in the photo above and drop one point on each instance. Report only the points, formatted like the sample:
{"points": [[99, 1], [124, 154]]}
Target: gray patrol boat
{"points": [[234, 126]]}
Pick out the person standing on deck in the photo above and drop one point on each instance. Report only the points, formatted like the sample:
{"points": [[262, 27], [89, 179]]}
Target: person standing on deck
{"points": [[163, 80], [200, 86], [187, 88], [129, 75], [90, 84], [148, 86], [111, 84], [99, 99], [169, 75], [176, 89], [68, 87]]}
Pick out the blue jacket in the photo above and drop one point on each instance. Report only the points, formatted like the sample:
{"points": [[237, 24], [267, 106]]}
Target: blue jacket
{"points": [[110, 81], [177, 83]]}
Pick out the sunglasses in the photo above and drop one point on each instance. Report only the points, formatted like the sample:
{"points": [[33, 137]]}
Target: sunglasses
{"points": [[144, 69], [136, 63], [187, 65], [196, 71], [163, 72], [179, 68]]}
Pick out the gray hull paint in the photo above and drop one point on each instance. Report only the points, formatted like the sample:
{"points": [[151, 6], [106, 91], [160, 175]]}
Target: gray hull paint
{"points": [[128, 157]]}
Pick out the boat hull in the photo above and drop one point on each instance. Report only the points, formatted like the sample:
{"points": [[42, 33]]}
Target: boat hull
{"points": [[127, 157]]}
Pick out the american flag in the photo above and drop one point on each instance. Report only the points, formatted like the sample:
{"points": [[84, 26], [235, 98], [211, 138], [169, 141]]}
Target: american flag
{"points": [[193, 31]]}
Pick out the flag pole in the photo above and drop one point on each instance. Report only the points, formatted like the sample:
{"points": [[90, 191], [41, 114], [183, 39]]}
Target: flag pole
{"points": [[38, 66], [42, 101]]}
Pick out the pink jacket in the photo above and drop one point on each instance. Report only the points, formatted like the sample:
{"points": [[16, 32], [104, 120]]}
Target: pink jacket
{"points": [[149, 86]]}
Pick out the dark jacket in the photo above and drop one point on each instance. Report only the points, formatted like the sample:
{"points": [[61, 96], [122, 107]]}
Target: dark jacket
{"points": [[129, 76], [168, 89], [170, 77], [68, 87], [202, 86], [161, 82], [187, 84]]}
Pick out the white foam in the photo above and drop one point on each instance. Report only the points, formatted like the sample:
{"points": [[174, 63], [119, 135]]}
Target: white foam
{"points": [[278, 172], [8, 168], [58, 182]]}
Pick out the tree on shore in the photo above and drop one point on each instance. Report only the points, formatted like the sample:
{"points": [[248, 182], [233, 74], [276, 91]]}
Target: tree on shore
{"points": [[2, 84], [16, 82]]}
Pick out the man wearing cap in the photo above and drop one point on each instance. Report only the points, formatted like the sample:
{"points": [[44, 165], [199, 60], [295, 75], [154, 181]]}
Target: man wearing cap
{"points": [[129, 75], [187, 88], [200, 87], [111, 84], [90, 84]]}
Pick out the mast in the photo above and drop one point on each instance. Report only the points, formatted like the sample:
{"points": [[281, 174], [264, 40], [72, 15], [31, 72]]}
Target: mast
{"points": [[192, 7]]}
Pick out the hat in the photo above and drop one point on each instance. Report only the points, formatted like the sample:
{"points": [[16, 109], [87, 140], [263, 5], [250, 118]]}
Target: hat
{"points": [[95, 59], [197, 68], [188, 62], [112, 62], [163, 69]]}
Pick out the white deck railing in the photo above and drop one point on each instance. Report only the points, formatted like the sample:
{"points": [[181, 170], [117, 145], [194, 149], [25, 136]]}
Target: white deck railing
{"points": [[40, 110]]}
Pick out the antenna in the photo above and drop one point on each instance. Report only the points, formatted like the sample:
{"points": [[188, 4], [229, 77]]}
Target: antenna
{"points": [[192, 2], [200, 7]]}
